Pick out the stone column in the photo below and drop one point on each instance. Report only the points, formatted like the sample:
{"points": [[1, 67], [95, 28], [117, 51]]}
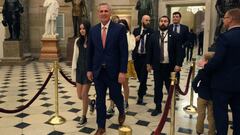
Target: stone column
{"points": [[2, 36]]}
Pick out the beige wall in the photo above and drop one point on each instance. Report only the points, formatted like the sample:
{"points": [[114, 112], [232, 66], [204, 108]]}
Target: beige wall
{"points": [[34, 25], [122, 8]]}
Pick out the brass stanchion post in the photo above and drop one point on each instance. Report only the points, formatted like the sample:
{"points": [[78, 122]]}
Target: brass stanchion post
{"points": [[191, 109], [172, 124], [57, 119], [125, 130]]}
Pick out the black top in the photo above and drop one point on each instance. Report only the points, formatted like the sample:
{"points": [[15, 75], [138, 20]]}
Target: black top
{"points": [[82, 57], [201, 85]]}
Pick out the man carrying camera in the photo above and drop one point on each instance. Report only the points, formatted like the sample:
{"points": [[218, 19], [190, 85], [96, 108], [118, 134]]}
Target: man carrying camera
{"points": [[142, 35]]}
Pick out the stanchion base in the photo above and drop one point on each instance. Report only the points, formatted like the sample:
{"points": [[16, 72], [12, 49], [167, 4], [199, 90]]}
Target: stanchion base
{"points": [[190, 109], [56, 120], [125, 130]]}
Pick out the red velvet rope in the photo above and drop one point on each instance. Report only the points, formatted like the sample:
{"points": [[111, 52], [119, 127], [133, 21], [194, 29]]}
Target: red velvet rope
{"points": [[66, 78], [159, 128], [187, 85], [32, 100]]}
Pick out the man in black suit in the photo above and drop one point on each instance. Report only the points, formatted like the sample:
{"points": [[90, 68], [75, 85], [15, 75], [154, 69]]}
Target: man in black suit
{"points": [[192, 40], [225, 70], [107, 64], [200, 43], [142, 35], [164, 55]]}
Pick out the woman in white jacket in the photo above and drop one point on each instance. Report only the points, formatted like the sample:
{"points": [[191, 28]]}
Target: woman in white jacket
{"points": [[130, 70], [79, 68]]}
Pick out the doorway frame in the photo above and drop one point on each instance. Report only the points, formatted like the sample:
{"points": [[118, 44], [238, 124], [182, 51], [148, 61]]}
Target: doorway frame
{"points": [[164, 9]]}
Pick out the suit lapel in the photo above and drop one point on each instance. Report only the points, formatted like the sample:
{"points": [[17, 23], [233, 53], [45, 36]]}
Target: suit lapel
{"points": [[158, 38], [99, 36], [169, 40], [109, 32]]}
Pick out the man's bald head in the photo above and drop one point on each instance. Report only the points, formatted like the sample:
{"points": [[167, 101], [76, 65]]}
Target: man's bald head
{"points": [[146, 21]]}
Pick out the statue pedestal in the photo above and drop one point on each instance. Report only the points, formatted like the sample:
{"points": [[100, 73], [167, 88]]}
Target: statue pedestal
{"points": [[50, 50], [70, 47], [13, 53]]}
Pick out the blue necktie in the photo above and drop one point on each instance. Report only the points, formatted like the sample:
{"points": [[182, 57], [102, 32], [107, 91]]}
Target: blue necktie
{"points": [[175, 28]]}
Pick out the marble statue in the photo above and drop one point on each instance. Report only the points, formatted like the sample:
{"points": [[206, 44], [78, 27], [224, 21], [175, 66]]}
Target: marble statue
{"points": [[51, 16], [11, 17]]}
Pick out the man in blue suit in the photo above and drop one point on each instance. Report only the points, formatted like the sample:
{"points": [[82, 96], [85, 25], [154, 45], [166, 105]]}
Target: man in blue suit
{"points": [[183, 31], [225, 70], [164, 55], [107, 63]]}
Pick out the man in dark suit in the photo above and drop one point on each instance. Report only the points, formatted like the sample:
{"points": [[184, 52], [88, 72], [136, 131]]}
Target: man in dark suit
{"points": [[179, 28], [164, 56], [142, 35], [225, 70], [182, 30], [200, 43], [107, 63], [192, 40]]}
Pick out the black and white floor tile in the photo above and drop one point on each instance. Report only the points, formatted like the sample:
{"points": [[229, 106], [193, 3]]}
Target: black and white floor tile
{"points": [[18, 84]]}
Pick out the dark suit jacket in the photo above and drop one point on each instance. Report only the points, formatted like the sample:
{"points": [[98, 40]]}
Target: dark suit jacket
{"points": [[175, 51], [115, 54], [137, 32], [225, 65], [184, 32]]}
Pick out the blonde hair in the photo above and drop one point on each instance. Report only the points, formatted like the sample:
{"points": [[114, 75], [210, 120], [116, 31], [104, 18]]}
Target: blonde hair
{"points": [[208, 55]]}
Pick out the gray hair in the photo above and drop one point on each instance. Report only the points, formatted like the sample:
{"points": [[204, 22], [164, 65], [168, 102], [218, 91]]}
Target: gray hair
{"points": [[105, 4], [235, 14]]}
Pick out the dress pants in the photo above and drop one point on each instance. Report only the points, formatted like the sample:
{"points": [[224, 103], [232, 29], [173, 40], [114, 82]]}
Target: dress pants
{"points": [[161, 75], [102, 82], [142, 74], [202, 106], [221, 100]]}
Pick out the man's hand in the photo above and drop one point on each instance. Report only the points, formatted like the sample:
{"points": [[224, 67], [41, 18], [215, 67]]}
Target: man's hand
{"points": [[149, 68], [90, 75], [177, 68], [121, 78], [137, 38]]}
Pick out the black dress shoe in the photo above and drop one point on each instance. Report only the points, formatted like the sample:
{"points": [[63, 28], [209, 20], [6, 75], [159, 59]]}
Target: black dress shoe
{"points": [[121, 119], [156, 112], [140, 101]]}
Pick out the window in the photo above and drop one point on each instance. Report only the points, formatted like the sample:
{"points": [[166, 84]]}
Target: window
{"points": [[60, 26]]}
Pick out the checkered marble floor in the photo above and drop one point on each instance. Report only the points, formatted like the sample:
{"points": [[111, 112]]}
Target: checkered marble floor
{"points": [[18, 84]]}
